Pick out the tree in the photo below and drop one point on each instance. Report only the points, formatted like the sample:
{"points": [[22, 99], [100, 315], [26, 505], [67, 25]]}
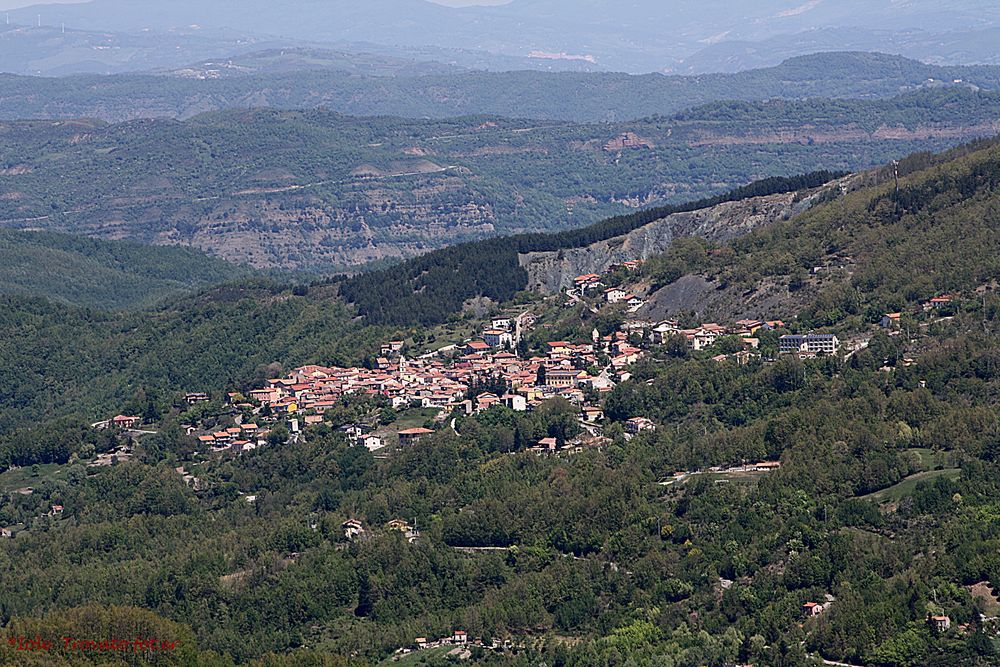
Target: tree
{"points": [[278, 435]]}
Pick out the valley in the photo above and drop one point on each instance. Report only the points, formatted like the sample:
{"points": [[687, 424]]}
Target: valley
{"points": [[508, 333], [577, 438], [317, 191]]}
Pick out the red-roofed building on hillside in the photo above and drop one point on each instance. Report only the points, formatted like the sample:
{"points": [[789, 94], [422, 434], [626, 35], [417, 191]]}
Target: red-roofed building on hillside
{"points": [[939, 302], [412, 436], [477, 347], [125, 422], [587, 282], [615, 295]]}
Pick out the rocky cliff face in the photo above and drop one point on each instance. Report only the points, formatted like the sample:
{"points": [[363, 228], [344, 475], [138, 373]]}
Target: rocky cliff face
{"points": [[552, 272]]}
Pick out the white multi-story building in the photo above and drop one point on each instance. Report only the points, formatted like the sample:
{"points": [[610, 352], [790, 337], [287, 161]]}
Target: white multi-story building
{"points": [[810, 343]]}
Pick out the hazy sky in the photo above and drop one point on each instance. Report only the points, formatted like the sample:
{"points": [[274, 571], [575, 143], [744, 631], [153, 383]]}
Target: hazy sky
{"points": [[465, 3], [14, 4]]}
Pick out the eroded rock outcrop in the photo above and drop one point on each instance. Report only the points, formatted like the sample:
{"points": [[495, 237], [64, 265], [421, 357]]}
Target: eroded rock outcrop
{"points": [[551, 272]]}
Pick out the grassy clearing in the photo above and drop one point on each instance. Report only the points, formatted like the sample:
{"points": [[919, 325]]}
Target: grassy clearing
{"points": [[929, 458], [414, 418], [20, 478], [907, 486], [432, 656]]}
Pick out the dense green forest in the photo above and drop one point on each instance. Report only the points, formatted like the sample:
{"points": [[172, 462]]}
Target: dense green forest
{"points": [[63, 360], [346, 85], [596, 563], [315, 190], [886, 499], [103, 274]]}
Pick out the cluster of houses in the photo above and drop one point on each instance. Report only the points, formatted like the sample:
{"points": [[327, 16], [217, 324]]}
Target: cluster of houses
{"points": [[446, 380], [893, 320], [707, 334], [241, 438], [460, 642], [590, 283], [578, 372], [440, 382]]}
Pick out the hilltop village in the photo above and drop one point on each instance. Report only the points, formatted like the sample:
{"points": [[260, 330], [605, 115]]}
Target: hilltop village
{"points": [[406, 398], [430, 390], [414, 389], [485, 372]]}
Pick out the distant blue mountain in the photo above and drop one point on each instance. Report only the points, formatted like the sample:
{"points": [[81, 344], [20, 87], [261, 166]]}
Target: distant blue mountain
{"points": [[628, 35]]}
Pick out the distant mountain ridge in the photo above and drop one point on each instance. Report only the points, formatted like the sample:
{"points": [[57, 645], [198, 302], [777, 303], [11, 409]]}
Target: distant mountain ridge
{"points": [[285, 60], [367, 85], [634, 36], [54, 50], [957, 46]]}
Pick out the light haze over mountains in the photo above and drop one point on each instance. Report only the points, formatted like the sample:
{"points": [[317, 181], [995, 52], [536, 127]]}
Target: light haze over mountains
{"points": [[682, 36]]}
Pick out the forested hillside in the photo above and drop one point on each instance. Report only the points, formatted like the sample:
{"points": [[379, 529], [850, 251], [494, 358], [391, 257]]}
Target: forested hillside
{"points": [[883, 510], [64, 360], [317, 190], [357, 85], [103, 274], [877, 250]]}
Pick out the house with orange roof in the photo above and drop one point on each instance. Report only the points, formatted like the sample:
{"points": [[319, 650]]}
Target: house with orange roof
{"points": [[891, 320], [810, 609], [412, 436], [125, 422], [477, 347]]}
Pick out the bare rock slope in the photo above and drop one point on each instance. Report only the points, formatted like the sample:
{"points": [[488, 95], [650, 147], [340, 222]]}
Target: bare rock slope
{"points": [[551, 272]]}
